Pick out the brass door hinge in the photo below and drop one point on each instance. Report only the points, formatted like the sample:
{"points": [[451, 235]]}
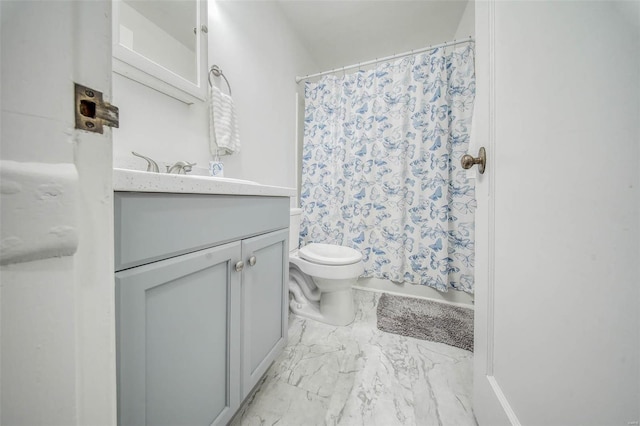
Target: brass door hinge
{"points": [[92, 112]]}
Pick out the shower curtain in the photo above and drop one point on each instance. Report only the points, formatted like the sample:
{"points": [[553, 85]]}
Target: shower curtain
{"points": [[381, 167]]}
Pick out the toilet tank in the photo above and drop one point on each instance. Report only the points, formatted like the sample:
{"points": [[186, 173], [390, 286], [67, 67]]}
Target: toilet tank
{"points": [[295, 216]]}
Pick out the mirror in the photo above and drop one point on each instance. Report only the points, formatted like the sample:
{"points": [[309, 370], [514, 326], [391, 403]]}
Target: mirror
{"points": [[162, 44]]}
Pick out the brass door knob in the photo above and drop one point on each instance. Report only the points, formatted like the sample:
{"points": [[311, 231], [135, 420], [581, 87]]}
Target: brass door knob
{"points": [[468, 161]]}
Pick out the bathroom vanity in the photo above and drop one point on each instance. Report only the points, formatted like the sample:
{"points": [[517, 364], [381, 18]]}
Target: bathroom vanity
{"points": [[201, 296]]}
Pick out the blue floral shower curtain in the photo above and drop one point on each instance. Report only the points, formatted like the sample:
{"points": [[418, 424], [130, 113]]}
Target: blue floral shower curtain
{"points": [[381, 167]]}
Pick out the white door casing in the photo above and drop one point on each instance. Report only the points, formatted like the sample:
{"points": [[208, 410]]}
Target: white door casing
{"points": [[57, 302], [557, 229]]}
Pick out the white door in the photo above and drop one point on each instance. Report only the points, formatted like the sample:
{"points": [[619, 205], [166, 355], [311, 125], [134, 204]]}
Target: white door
{"points": [[57, 294], [557, 293]]}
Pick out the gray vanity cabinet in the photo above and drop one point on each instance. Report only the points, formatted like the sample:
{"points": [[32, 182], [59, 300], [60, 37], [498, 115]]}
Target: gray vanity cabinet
{"points": [[264, 304], [178, 362], [201, 302]]}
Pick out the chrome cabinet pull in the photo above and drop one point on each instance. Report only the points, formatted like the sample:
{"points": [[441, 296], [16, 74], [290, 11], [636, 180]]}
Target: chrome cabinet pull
{"points": [[252, 261], [239, 266]]}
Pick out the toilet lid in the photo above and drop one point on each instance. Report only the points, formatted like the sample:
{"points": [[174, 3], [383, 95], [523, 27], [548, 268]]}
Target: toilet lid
{"points": [[329, 254]]}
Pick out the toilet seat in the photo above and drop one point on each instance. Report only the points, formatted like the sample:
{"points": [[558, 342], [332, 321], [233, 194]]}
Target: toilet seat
{"points": [[337, 272], [329, 254]]}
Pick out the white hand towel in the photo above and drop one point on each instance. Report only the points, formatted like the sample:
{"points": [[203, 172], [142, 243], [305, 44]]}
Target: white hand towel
{"points": [[223, 125]]}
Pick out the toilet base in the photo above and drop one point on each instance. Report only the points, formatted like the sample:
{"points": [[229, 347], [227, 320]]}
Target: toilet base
{"points": [[335, 308]]}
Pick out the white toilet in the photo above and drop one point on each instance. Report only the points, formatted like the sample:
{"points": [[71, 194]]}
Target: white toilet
{"points": [[320, 278]]}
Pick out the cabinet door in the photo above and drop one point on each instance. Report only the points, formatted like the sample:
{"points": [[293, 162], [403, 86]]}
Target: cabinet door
{"points": [[178, 323], [264, 296]]}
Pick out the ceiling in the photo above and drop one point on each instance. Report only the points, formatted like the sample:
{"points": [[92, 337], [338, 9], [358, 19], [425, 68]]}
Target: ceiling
{"points": [[340, 33]]}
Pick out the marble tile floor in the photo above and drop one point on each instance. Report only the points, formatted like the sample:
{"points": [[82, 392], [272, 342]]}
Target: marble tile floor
{"points": [[359, 375]]}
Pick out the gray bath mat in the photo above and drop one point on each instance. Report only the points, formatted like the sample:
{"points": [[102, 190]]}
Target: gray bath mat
{"points": [[426, 320]]}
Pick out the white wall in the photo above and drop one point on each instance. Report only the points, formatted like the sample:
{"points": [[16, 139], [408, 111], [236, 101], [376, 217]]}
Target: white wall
{"points": [[467, 26], [156, 125], [258, 52]]}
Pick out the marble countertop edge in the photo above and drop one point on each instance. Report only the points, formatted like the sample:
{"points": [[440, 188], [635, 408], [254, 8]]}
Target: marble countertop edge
{"points": [[126, 180]]}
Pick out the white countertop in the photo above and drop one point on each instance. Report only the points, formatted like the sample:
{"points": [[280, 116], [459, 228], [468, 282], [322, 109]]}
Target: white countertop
{"points": [[138, 181]]}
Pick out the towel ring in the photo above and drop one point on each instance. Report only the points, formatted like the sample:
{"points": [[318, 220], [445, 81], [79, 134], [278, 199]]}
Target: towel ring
{"points": [[217, 72]]}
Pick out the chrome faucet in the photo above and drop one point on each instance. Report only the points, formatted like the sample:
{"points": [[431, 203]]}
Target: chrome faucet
{"points": [[180, 168], [152, 166]]}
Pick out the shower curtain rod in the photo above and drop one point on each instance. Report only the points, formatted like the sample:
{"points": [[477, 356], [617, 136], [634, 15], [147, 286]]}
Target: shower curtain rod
{"points": [[387, 58]]}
